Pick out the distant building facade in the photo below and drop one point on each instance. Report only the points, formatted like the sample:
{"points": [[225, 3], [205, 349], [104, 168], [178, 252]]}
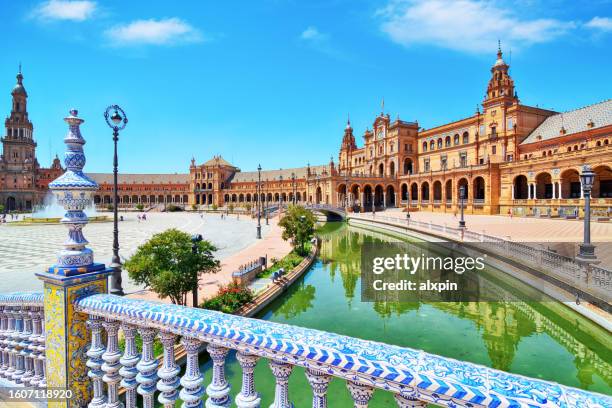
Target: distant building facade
{"points": [[509, 158]]}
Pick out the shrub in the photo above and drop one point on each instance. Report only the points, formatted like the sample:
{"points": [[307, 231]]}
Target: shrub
{"points": [[194, 207], [230, 298], [139, 207], [110, 207], [214, 207], [231, 207], [290, 261], [173, 208], [248, 207]]}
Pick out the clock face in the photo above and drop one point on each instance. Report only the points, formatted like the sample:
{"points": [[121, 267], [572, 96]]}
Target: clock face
{"points": [[380, 134]]}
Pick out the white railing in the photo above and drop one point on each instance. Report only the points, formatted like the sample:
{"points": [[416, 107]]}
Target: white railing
{"points": [[414, 377], [591, 279], [22, 339]]}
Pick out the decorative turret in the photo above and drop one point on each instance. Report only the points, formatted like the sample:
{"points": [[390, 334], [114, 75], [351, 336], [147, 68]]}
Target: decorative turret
{"points": [[501, 85], [73, 190]]}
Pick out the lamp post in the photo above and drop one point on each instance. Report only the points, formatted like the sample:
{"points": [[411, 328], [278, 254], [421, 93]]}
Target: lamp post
{"points": [[259, 202], [195, 238], [461, 198], [266, 202], [116, 121], [587, 250], [293, 187]]}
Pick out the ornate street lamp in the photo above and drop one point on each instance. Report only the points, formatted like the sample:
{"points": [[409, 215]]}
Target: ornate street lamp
{"points": [[293, 185], [195, 238], [587, 250], [461, 198], [116, 121], [258, 202]]}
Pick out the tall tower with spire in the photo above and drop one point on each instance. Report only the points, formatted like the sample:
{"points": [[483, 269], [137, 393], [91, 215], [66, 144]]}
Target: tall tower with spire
{"points": [[18, 164], [501, 85], [347, 147]]}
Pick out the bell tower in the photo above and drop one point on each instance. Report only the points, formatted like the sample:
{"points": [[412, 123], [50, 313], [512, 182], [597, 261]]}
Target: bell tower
{"points": [[347, 148], [501, 86], [18, 143]]}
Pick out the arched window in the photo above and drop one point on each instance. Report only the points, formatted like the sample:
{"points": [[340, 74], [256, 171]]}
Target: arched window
{"points": [[424, 146], [432, 145], [466, 138], [440, 143], [447, 141], [456, 139]]}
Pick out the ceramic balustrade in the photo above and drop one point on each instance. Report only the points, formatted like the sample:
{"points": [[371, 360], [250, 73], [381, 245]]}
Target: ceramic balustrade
{"points": [[415, 378], [22, 339]]}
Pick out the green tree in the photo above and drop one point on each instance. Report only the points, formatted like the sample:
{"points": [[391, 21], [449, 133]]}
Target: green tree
{"points": [[214, 207], [168, 265], [139, 206], [1, 208], [298, 226]]}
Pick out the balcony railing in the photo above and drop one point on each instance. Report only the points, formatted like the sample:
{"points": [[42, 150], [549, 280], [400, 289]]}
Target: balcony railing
{"points": [[414, 377], [22, 339]]}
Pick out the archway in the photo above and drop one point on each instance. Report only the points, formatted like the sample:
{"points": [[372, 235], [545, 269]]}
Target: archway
{"points": [[602, 186], [381, 170], [367, 199], [437, 191], [11, 204], [521, 188], [425, 192], [390, 197], [404, 192], [407, 166], [479, 188], [392, 169], [318, 196], [414, 192], [544, 187], [378, 196], [355, 199], [463, 183], [448, 191]]}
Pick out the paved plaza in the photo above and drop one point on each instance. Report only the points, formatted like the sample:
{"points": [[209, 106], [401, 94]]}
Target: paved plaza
{"points": [[25, 250]]}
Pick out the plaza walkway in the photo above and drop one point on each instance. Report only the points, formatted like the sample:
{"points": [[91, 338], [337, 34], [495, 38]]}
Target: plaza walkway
{"points": [[523, 229], [271, 245]]}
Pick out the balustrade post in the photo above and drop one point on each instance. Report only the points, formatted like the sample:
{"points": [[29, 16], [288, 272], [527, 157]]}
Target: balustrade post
{"points": [[168, 383], [319, 381], [147, 367], [10, 349], [361, 393], [3, 344], [281, 371], [128, 363], [409, 402], [192, 391], [34, 338], [25, 346], [111, 363], [219, 389], [17, 345], [94, 363], [248, 397]]}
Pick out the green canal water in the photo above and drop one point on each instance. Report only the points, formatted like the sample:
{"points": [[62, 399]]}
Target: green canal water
{"points": [[538, 339]]}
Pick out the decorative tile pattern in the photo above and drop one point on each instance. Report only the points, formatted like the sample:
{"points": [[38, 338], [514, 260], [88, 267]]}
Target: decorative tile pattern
{"points": [[411, 373]]}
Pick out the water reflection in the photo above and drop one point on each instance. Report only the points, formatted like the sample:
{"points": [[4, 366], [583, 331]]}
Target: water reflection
{"points": [[300, 300], [540, 339]]}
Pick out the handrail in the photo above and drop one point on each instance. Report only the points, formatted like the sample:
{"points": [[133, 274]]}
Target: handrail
{"points": [[412, 375]]}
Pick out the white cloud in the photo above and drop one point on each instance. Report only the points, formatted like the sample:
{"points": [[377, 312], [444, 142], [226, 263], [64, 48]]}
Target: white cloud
{"points": [[169, 31], [465, 25], [312, 33], [78, 10], [600, 23]]}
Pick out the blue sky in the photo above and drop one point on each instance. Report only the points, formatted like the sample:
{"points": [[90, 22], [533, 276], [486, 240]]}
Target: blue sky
{"points": [[272, 81]]}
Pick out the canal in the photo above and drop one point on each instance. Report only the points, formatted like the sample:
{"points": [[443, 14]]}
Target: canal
{"points": [[538, 339]]}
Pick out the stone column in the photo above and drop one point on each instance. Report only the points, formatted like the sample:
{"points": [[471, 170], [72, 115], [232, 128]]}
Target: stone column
{"points": [[219, 388], [192, 391], [168, 382], [147, 368], [95, 362], [248, 397], [512, 191], [111, 364], [128, 362], [281, 372]]}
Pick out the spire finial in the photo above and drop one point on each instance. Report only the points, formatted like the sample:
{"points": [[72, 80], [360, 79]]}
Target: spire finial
{"points": [[19, 67], [499, 51], [382, 105]]}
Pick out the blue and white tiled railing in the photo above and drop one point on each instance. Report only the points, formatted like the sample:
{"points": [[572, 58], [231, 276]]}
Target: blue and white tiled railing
{"points": [[414, 377], [22, 339]]}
